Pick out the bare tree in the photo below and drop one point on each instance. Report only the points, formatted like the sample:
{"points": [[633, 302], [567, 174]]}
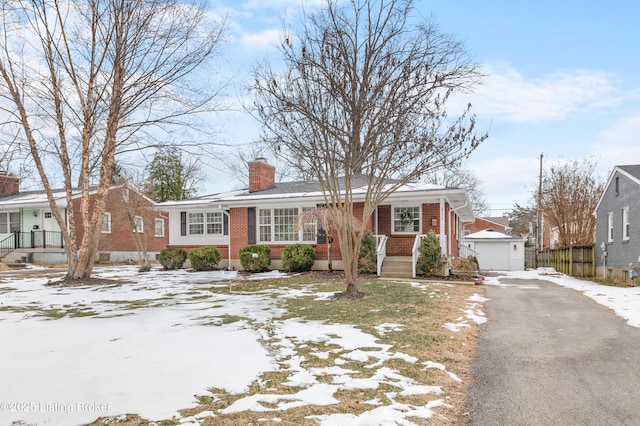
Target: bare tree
{"points": [[321, 219], [237, 164], [136, 214], [363, 96], [466, 179], [571, 193], [84, 78]]}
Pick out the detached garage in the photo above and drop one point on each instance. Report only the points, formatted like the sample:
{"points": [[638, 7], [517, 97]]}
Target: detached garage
{"points": [[497, 251]]}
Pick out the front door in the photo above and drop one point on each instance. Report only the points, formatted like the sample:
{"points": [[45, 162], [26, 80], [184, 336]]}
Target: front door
{"points": [[47, 227]]}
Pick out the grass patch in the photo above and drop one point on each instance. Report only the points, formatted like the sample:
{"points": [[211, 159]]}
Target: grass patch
{"points": [[422, 336], [420, 311]]}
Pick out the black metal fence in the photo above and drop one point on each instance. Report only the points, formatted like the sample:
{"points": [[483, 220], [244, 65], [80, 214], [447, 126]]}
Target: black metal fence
{"points": [[31, 239]]}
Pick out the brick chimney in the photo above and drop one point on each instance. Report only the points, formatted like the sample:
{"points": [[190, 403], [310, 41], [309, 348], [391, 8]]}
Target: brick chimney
{"points": [[9, 184], [261, 175]]}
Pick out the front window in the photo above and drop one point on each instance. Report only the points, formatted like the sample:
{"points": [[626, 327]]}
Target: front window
{"points": [[610, 227], [196, 223], [406, 219], [106, 223], [284, 224], [14, 222], [625, 223], [265, 225], [205, 223], [214, 223], [309, 230], [281, 225], [159, 227], [9, 222]]}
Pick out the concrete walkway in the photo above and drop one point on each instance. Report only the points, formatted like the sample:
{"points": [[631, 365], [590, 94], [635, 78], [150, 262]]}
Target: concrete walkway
{"points": [[550, 356]]}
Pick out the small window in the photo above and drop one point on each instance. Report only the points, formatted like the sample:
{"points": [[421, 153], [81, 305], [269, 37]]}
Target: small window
{"points": [[625, 224], [9, 222], [610, 227], [617, 185], [159, 227], [264, 223], [196, 223], [14, 222], [214, 223], [138, 224], [48, 215], [406, 219], [106, 222], [309, 229]]}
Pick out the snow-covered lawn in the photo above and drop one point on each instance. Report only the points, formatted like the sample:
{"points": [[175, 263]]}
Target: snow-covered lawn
{"points": [[159, 342], [624, 301]]}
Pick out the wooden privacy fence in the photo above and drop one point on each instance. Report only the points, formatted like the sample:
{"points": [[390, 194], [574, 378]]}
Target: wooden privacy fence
{"points": [[574, 261]]}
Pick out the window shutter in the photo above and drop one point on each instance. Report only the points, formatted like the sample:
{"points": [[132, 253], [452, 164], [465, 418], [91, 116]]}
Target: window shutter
{"points": [[183, 223], [225, 223], [322, 236], [251, 225]]}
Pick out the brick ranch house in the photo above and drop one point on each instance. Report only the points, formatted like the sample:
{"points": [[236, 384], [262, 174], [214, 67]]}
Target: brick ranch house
{"points": [[28, 230], [266, 213]]}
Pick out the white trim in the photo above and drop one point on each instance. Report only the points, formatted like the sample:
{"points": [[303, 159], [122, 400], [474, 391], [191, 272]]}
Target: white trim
{"points": [[610, 227], [609, 182], [625, 223], [406, 206], [138, 223], [155, 227], [271, 226], [105, 215]]}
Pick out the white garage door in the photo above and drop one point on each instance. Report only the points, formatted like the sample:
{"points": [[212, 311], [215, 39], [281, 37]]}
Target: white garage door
{"points": [[494, 255]]}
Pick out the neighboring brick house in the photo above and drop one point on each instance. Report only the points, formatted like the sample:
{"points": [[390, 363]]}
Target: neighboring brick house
{"points": [[618, 225], [29, 229], [266, 213], [499, 223]]}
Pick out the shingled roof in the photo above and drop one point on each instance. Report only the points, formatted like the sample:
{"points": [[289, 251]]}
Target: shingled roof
{"points": [[633, 170]]}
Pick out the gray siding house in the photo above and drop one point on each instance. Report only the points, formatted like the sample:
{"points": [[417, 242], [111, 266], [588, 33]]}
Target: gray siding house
{"points": [[618, 225]]}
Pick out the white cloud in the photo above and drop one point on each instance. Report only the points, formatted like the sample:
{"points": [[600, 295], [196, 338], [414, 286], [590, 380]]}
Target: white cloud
{"points": [[266, 39], [507, 180], [508, 94]]}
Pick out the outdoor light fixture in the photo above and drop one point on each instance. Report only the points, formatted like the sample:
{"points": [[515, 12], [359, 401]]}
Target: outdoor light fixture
{"points": [[35, 213]]}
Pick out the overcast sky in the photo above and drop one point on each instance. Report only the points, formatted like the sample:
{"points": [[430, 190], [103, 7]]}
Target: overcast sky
{"points": [[562, 79]]}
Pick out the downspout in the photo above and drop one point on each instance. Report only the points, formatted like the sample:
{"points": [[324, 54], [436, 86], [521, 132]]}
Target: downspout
{"points": [[224, 212], [455, 210], [442, 226]]}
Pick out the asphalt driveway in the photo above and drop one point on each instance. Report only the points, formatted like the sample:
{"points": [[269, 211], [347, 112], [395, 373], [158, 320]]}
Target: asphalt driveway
{"points": [[550, 356]]}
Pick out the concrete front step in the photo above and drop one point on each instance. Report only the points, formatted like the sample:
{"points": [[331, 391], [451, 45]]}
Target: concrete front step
{"points": [[397, 267], [15, 265]]}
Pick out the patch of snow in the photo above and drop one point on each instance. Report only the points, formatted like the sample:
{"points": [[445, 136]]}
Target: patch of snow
{"points": [[162, 337]]}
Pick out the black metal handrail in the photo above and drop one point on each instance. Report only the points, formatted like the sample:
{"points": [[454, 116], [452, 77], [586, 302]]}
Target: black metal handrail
{"points": [[31, 239]]}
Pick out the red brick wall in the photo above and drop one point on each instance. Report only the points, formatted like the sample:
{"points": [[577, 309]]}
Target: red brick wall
{"points": [[121, 236], [237, 230]]}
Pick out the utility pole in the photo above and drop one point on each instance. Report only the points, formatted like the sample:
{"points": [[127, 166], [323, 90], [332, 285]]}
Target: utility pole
{"points": [[539, 235]]}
